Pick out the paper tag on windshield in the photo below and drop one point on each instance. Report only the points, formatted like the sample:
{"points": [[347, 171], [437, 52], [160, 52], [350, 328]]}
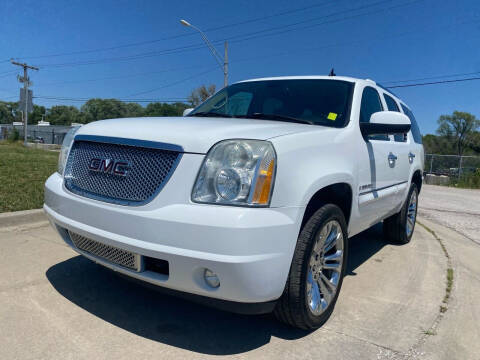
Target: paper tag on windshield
{"points": [[332, 116]]}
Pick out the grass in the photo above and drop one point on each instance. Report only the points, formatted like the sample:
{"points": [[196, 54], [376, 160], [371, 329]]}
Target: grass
{"points": [[23, 172], [448, 289], [449, 285], [467, 181]]}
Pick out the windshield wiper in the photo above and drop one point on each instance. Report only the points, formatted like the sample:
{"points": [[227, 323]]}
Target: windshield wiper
{"points": [[210, 114], [279, 118]]}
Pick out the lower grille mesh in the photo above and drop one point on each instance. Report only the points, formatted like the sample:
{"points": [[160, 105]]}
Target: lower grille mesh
{"points": [[112, 254]]}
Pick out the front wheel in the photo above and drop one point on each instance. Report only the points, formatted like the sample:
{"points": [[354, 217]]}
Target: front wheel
{"points": [[399, 227], [317, 270]]}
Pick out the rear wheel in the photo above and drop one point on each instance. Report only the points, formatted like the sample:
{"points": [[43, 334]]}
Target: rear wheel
{"points": [[317, 270], [399, 227]]}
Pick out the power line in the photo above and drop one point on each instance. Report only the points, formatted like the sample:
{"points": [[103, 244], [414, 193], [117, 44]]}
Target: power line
{"points": [[242, 37], [172, 84], [284, 30], [433, 83], [290, 52], [229, 25], [74, 99], [128, 99], [430, 78], [9, 97], [5, 74], [120, 77]]}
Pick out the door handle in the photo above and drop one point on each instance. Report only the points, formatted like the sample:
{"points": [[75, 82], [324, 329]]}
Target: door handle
{"points": [[411, 156], [392, 157], [391, 160]]}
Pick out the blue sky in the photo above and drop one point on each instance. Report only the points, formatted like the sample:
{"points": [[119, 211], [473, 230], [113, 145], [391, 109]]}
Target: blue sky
{"points": [[383, 40]]}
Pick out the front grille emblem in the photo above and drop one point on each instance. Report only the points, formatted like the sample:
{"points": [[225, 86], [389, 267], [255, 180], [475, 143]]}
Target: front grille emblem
{"points": [[109, 166]]}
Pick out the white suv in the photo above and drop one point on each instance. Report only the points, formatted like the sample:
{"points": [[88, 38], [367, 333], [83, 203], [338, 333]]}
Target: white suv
{"points": [[247, 202]]}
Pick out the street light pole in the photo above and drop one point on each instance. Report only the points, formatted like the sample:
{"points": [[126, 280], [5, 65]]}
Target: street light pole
{"points": [[223, 63]]}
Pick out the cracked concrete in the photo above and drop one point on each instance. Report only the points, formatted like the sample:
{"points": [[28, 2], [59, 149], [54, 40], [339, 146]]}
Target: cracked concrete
{"points": [[457, 209], [57, 305]]}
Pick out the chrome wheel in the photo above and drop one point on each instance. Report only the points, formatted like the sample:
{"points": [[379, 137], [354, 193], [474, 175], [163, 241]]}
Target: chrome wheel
{"points": [[411, 213], [325, 267]]}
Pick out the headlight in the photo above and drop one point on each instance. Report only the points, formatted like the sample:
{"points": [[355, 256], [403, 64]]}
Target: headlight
{"points": [[237, 172], [67, 143]]}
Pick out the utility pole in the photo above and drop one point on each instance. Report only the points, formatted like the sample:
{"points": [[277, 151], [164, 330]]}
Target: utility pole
{"points": [[225, 66], [26, 84]]}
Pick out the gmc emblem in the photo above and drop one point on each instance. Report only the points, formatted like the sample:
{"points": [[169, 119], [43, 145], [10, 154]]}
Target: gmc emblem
{"points": [[109, 166]]}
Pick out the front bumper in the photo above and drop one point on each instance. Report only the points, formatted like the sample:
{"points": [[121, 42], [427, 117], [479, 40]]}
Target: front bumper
{"points": [[249, 249]]}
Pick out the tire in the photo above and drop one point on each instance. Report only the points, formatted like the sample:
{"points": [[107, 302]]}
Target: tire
{"points": [[395, 227], [296, 307]]}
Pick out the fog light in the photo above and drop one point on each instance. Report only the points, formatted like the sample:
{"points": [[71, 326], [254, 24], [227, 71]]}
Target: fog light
{"points": [[211, 278]]}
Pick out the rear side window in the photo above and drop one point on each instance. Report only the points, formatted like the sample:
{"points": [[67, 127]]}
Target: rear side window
{"points": [[391, 103], [417, 136], [392, 106], [371, 104]]}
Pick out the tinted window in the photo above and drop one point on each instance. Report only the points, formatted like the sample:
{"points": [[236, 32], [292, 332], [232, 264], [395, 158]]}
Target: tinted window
{"points": [[371, 104], [391, 103], [392, 106], [322, 102], [417, 136]]}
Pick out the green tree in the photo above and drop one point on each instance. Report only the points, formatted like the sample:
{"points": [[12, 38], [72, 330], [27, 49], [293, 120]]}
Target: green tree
{"points": [[134, 110], [64, 115], [164, 109], [458, 128], [200, 94], [474, 143], [435, 144], [8, 112], [36, 115], [100, 109]]}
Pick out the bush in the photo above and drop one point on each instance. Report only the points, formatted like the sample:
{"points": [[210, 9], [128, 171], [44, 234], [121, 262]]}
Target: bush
{"points": [[470, 181], [14, 135]]}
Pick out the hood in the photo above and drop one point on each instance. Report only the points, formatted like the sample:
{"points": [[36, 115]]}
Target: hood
{"points": [[193, 134]]}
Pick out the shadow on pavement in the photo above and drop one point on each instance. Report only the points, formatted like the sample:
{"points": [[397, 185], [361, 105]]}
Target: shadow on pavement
{"points": [[177, 322]]}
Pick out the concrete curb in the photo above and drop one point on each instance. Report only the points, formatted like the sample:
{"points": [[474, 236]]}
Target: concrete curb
{"points": [[22, 217]]}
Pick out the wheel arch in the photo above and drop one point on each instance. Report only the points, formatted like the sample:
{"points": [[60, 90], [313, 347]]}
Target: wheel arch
{"points": [[417, 179], [339, 194]]}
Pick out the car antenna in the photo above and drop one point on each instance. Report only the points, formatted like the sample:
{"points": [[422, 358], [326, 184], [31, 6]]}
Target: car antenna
{"points": [[332, 73]]}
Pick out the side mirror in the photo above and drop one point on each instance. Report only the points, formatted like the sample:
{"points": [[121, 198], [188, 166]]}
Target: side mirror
{"points": [[187, 111], [386, 122]]}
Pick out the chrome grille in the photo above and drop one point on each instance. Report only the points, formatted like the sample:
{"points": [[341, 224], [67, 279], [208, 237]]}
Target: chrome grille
{"points": [[109, 253], [148, 171]]}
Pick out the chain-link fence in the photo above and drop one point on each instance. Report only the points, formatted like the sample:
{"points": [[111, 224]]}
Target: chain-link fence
{"points": [[451, 165]]}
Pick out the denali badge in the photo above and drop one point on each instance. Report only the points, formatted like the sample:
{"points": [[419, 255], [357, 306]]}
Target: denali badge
{"points": [[109, 166]]}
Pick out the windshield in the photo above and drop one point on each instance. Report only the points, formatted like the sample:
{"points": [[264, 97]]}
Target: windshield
{"points": [[313, 101]]}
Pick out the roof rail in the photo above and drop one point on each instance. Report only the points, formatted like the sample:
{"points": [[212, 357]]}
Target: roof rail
{"points": [[387, 90]]}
